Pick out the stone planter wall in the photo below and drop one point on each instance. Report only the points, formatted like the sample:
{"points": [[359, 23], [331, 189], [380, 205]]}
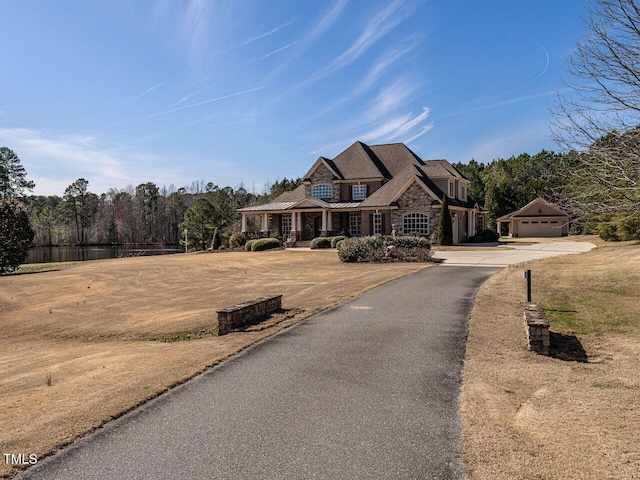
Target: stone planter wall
{"points": [[247, 313]]}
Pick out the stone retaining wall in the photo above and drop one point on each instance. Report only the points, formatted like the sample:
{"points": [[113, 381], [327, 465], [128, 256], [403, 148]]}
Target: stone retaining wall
{"points": [[247, 313], [537, 327]]}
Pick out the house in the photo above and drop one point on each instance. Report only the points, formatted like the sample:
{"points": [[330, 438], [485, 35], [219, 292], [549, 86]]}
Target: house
{"points": [[536, 219], [371, 190]]}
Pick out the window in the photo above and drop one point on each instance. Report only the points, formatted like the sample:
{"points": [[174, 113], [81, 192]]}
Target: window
{"points": [[463, 192], [377, 224], [322, 191], [452, 189], [415, 223], [355, 223], [286, 223], [480, 223], [359, 192]]}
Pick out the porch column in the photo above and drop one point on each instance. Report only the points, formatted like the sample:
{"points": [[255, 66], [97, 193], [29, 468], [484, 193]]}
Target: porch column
{"points": [[329, 222], [323, 229], [470, 229], [244, 223], [299, 222], [265, 222], [293, 221]]}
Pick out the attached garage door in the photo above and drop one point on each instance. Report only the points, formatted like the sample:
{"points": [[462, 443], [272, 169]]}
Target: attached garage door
{"points": [[536, 228]]}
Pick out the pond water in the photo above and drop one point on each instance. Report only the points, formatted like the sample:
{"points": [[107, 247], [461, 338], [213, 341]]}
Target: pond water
{"points": [[80, 254]]}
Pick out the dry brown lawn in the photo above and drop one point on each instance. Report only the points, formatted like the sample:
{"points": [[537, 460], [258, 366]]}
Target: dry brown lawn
{"points": [[527, 416], [96, 327]]}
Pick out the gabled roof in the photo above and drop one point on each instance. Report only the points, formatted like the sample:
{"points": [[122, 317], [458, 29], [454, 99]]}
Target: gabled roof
{"points": [[395, 157], [326, 163], [440, 169], [358, 161], [537, 208], [395, 164], [363, 161], [294, 195], [392, 190]]}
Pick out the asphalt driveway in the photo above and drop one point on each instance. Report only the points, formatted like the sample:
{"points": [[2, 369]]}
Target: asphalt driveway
{"points": [[367, 390]]}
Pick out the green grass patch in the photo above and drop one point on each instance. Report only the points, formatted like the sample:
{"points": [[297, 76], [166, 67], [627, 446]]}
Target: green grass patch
{"points": [[43, 267], [184, 336]]}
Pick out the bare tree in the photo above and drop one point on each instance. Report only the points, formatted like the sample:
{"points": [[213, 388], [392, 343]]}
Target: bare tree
{"points": [[596, 117]]}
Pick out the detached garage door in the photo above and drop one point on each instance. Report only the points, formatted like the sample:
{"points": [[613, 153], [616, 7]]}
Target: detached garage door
{"points": [[537, 228]]}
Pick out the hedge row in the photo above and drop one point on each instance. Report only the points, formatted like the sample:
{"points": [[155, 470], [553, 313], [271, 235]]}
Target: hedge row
{"points": [[385, 249]]}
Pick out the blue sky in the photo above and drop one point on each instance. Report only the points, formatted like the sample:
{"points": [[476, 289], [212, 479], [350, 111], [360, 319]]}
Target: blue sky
{"points": [[124, 92]]}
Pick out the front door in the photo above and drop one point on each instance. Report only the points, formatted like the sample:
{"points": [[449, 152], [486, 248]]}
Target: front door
{"points": [[317, 225]]}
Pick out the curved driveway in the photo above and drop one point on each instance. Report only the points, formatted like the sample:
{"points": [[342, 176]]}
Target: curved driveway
{"points": [[367, 390], [502, 255]]}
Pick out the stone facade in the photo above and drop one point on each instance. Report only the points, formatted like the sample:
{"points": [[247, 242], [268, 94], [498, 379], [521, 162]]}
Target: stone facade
{"points": [[414, 200], [322, 176]]}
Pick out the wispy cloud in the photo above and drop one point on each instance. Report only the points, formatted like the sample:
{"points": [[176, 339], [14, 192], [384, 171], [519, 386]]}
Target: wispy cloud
{"points": [[205, 102], [376, 28], [401, 128], [148, 90], [262, 35], [503, 103], [375, 73], [195, 25], [79, 154], [391, 97], [53, 162], [547, 61], [270, 54], [327, 20], [202, 80]]}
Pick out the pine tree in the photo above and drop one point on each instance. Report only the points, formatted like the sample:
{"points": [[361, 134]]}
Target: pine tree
{"points": [[444, 231]]}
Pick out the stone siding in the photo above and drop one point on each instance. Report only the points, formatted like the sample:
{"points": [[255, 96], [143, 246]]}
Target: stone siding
{"points": [[322, 176], [247, 313], [415, 200]]}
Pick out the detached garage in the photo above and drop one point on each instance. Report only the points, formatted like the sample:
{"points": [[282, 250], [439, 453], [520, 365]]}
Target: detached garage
{"points": [[536, 219]]}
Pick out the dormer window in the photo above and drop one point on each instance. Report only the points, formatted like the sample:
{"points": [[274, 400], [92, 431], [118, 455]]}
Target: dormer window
{"points": [[322, 191], [452, 189], [358, 192], [463, 193]]}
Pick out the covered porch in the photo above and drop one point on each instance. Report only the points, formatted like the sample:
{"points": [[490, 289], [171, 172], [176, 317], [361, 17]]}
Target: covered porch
{"points": [[304, 220]]}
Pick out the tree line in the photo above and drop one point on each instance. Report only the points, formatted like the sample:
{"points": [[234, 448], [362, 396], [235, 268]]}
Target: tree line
{"points": [[146, 214]]}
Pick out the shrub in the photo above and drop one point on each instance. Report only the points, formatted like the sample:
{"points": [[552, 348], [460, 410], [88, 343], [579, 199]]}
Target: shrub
{"points": [[629, 227], [320, 242], [264, 244], [336, 239], [236, 241], [16, 235], [248, 245], [489, 235], [340, 242], [384, 249]]}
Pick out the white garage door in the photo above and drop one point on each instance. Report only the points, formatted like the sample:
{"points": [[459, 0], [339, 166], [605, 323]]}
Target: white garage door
{"points": [[537, 228]]}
